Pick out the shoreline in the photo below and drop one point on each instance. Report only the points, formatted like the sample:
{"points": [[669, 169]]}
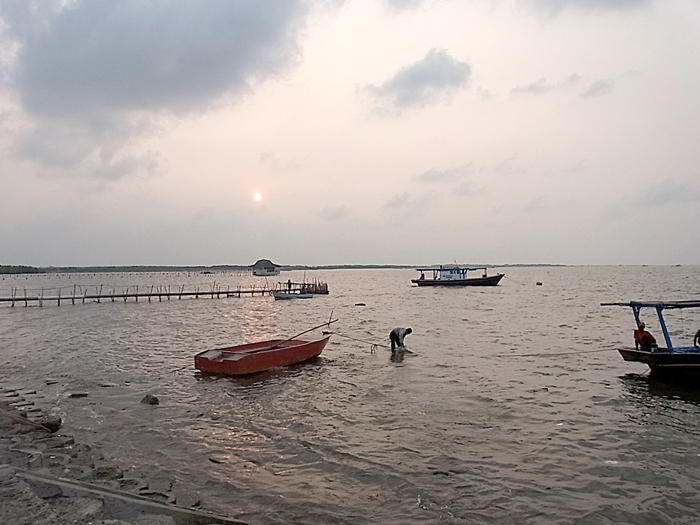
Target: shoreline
{"points": [[48, 479]]}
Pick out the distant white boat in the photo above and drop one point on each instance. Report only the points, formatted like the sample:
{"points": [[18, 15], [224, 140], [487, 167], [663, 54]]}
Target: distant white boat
{"points": [[280, 295]]}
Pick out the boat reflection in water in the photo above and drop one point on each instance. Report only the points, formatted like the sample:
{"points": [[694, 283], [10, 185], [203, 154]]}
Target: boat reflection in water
{"points": [[653, 390]]}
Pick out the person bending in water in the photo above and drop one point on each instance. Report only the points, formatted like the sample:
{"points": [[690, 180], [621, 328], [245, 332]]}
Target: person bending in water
{"points": [[397, 336], [643, 340]]}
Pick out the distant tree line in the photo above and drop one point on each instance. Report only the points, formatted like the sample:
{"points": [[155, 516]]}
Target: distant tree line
{"points": [[9, 269], [20, 269]]}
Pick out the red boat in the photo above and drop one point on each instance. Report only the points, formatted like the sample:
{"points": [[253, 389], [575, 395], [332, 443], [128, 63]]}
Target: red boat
{"points": [[258, 357]]}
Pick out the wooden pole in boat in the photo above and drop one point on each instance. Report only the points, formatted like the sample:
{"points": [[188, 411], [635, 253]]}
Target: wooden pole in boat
{"points": [[304, 332]]}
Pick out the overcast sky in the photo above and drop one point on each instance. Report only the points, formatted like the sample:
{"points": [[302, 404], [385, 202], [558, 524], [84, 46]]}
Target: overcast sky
{"points": [[375, 132]]}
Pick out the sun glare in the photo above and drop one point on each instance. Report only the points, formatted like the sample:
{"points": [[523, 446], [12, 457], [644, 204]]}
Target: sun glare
{"points": [[257, 196]]}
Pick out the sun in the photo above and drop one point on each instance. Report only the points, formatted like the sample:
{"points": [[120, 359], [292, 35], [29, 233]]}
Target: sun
{"points": [[257, 196]]}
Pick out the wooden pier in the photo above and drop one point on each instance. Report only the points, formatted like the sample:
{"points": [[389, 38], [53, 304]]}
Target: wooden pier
{"points": [[20, 296]]}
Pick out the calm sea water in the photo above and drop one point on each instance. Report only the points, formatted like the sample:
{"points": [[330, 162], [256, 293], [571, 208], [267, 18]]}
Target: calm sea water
{"points": [[514, 407]]}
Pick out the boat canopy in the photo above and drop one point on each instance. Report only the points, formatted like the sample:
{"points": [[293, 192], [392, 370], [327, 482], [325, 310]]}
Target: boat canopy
{"points": [[451, 267], [659, 306]]}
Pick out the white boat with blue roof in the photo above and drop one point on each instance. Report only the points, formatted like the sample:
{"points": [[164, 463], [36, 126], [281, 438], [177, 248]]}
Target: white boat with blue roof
{"points": [[453, 275]]}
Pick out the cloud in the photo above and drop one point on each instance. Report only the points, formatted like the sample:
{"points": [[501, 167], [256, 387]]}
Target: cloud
{"points": [[333, 214], [509, 166], [668, 192], [595, 88], [665, 194], [554, 7], [461, 175], [111, 70], [403, 5], [431, 80], [468, 188], [399, 201], [598, 88], [445, 175], [406, 207], [541, 86]]}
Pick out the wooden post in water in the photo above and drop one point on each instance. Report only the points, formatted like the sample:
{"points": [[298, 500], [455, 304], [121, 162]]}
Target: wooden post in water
{"points": [[73, 298], [59, 297], [25, 297]]}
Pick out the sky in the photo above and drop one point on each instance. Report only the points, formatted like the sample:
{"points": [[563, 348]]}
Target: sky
{"points": [[374, 131]]}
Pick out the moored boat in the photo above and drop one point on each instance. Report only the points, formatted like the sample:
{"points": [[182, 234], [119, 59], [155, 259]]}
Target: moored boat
{"points": [[264, 268], [670, 361], [257, 357], [456, 276], [282, 295], [291, 290]]}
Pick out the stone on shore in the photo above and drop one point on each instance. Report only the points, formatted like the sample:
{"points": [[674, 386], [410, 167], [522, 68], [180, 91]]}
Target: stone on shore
{"points": [[52, 424], [148, 399]]}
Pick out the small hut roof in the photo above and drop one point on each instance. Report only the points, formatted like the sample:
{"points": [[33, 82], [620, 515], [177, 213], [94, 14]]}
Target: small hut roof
{"points": [[264, 263]]}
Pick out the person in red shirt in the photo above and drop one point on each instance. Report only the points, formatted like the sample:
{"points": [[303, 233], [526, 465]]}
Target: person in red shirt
{"points": [[643, 340]]}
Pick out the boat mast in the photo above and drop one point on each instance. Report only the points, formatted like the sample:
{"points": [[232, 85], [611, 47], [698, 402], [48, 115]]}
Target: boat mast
{"points": [[669, 345]]}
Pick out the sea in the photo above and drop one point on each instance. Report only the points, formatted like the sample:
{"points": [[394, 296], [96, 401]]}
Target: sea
{"points": [[512, 405]]}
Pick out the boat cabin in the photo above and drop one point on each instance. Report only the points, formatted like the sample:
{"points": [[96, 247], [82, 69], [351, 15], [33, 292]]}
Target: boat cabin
{"points": [[450, 273]]}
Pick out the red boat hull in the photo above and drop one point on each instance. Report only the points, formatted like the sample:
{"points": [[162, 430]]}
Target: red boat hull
{"points": [[258, 357]]}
